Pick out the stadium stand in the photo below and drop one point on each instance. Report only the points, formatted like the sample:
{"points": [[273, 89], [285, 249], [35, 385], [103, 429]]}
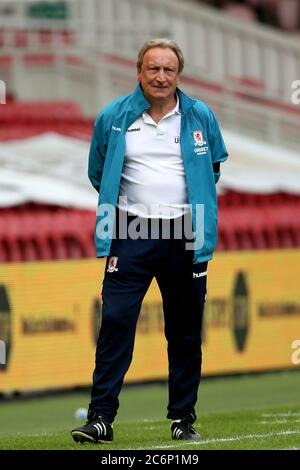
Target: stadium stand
{"points": [[284, 15], [246, 222], [29, 232], [22, 119], [39, 232], [254, 221], [249, 96]]}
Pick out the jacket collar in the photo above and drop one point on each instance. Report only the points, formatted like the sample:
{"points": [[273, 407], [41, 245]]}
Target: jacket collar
{"points": [[139, 103], [185, 102]]}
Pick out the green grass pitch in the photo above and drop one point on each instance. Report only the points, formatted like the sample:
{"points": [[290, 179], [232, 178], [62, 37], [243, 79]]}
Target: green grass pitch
{"points": [[247, 412]]}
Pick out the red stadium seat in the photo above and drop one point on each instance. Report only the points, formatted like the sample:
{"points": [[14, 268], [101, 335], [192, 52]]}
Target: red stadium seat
{"points": [[246, 222]]}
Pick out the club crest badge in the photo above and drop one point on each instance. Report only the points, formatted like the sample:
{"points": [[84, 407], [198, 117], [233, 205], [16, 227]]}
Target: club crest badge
{"points": [[198, 137], [112, 264]]}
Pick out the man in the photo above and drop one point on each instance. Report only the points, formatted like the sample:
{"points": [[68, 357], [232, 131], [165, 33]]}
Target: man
{"points": [[155, 157]]}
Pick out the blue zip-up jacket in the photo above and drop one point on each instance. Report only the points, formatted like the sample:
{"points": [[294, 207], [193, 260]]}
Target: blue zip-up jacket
{"points": [[202, 146]]}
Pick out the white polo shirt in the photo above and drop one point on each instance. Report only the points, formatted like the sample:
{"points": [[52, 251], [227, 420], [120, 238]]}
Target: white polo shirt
{"points": [[153, 176]]}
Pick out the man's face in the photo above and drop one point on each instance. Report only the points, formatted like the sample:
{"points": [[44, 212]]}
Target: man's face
{"points": [[159, 74]]}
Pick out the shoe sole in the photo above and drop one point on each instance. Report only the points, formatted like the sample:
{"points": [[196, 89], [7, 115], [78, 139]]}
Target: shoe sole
{"points": [[81, 437], [194, 438]]}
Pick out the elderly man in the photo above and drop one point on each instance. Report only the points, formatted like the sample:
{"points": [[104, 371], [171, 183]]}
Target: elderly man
{"points": [[154, 158]]}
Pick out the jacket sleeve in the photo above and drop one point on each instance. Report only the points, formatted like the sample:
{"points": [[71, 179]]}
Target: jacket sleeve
{"points": [[218, 149], [97, 154]]}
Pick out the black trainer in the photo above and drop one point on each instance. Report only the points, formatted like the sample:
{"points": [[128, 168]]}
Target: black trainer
{"points": [[96, 429], [183, 430]]}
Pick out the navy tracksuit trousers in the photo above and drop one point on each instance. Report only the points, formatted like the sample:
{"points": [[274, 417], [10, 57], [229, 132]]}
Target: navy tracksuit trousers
{"points": [[183, 288]]}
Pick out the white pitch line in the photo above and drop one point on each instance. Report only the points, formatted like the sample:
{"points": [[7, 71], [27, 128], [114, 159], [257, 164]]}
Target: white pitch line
{"points": [[280, 421], [229, 439], [275, 415]]}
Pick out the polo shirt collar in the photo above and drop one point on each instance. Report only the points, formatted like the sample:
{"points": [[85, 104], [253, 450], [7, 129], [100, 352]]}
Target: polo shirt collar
{"points": [[175, 110]]}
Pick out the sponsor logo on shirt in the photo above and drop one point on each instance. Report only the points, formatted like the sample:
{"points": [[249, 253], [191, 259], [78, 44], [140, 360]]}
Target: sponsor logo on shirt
{"points": [[114, 128], [134, 129]]}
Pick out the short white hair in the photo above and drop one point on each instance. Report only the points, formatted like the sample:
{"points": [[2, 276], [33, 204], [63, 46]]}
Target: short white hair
{"points": [[164, 43]]}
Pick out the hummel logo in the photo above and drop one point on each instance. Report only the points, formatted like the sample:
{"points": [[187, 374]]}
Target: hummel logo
{"points": [[134, 129], [195, 275]]}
